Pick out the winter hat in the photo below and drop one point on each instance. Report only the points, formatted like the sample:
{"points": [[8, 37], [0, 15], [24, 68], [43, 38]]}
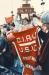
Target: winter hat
{"points": [[45, 17]]}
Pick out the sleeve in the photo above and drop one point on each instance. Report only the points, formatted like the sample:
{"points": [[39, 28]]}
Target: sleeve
{"points": [[40, 36], [10, 37]]}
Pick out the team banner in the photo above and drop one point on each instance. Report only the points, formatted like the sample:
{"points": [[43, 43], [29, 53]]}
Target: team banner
{"points": [[27, 45]]}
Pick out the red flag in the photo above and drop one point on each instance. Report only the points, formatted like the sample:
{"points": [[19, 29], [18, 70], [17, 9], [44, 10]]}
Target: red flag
{"points": [[27, 71], [27, 45]]}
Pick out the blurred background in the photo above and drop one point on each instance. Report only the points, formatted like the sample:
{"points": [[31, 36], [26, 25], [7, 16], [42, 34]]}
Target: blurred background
{"points": [[6, 6]]}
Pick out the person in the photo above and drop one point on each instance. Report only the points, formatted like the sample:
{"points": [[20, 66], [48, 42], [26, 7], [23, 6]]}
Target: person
{"points": [[20, 28], [6, 56], [44, 37], [44, 33], [35, 20]]}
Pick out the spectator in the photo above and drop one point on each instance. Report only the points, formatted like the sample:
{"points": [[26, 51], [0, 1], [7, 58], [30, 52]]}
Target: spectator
{"points": [[44, 36]]}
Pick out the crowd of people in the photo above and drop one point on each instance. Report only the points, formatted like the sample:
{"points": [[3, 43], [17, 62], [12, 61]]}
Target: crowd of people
{"points": [[10, 59]]}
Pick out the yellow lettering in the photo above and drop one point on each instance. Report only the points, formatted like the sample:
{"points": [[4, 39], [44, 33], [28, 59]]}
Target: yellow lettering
{"points": [[27, 49], [18, 40], [28, 38]]}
